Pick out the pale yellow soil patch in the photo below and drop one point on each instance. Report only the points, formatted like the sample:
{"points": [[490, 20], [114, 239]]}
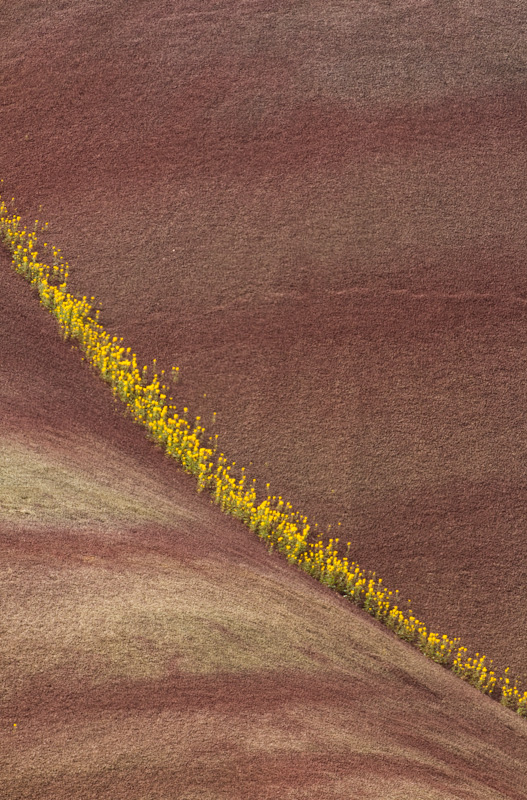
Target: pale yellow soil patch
{"points": [[48, 485], [152, 614]]}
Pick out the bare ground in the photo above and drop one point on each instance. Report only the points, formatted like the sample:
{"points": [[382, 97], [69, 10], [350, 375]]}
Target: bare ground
{"points": [[318, 215]]}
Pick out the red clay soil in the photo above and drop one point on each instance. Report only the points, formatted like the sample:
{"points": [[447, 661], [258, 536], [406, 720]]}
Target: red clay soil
{"points": [[317, 213], [342, 709], [346, 710]]}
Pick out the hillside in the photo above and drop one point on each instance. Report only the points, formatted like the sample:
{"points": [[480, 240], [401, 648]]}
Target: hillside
{"points": [[317, 214], [152, 648]]}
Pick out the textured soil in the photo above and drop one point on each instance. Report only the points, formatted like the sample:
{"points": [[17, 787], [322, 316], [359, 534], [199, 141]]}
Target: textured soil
{"points": [[317, 213], [152, 648]]}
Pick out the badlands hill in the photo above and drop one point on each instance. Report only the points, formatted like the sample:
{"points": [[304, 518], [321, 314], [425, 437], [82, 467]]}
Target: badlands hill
{"points": [[153, 648], [317, 214]]}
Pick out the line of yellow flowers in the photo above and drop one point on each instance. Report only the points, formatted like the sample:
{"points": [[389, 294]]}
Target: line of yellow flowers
{"points": [[272, 519]]}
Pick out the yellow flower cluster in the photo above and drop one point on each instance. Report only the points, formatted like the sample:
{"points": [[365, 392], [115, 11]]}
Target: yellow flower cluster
{"points": [[474, 670], [272, 519], [511, 695]]}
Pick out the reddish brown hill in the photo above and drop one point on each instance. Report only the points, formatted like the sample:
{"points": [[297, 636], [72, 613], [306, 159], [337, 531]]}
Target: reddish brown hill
{"points": [[152, 648], [317, 213]]}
